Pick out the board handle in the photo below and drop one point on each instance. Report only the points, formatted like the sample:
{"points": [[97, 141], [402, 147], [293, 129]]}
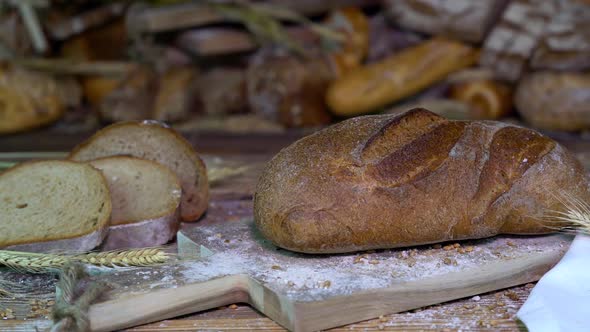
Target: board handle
{"points": [[167, 303]]}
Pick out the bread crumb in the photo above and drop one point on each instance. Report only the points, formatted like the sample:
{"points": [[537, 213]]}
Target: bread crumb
{"points": [[461, 250], [218, 235], [456, 245], [512, 295], [529, 286], [276, 267], [383, 319], [381, 327], [7, 314], [469, 249], [448, 247], [437, 246], [233, 306], [500, 304], [447, 261], [327, 284], [510, 243], [374, 262], [290, 283]]}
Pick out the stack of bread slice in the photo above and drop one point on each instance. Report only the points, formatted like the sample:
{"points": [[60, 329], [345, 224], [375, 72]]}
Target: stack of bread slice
{"points": [[127, 186]]}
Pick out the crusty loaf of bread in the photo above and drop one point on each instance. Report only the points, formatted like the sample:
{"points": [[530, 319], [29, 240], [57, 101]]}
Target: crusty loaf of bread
{"points": [[53, 205], [555, 100], [146, 198], [388, 181], [28, 100], [152, 141]]}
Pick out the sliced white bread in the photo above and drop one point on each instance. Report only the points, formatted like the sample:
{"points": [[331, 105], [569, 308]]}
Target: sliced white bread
{"points": [[146, 200], [53, 205], [153, 141]]}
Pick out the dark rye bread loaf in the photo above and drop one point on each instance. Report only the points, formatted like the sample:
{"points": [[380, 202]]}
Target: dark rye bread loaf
{"points": [[390, 181]]}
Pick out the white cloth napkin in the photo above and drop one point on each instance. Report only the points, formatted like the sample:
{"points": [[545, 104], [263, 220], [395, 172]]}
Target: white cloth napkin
{"points": [[561, 299]]}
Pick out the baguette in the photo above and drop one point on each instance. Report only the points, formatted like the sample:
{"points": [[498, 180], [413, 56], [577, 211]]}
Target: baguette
{"points": [[389, 181], [401, 75], [153, 141], [53, 205], [145, 197]]}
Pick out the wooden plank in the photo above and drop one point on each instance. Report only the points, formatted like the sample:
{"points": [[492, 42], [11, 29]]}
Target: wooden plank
{"points": [[174, 17], [71, 67], [66, 28]]}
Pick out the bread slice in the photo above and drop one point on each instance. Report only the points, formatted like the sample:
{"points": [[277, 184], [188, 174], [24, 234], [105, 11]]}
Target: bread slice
{"points": [[146, 198], [153, 141], [53, 205]]}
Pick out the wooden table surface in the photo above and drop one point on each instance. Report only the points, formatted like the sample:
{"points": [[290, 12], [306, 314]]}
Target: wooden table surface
{"points": [[231, 198]]}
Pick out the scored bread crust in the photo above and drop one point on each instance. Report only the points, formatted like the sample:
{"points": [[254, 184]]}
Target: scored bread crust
{"points": [[157, 229], [71, 242], [195, 186], [388, 181]]}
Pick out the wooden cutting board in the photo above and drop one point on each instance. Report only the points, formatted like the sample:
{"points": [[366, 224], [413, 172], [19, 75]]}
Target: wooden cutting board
{"points": [[313, 292]]}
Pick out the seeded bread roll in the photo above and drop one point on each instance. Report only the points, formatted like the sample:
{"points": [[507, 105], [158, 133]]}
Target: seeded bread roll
{"points": [[145, 196], [53, 205], [390, 181], [152, 141]]}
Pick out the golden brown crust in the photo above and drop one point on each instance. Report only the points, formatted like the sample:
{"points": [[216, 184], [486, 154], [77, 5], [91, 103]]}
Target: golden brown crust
{"points": [[400, 131], [418, 158], [456, 180], [28, 100]]}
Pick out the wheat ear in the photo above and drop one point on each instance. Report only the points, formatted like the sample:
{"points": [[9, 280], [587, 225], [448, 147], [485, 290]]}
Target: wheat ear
{"points": [[125, 258], [31, 262], [575, 218], [42, 263]]}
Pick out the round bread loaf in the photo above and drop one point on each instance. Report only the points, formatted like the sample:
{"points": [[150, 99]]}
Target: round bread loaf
{"points": [[555, 101], [390, 181]]}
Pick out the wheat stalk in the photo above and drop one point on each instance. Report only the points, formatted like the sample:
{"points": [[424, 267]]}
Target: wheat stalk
{"points": [[43, 263], [31, 262], [10, 289], [217, 174], [575, 218], [125, 258]]}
